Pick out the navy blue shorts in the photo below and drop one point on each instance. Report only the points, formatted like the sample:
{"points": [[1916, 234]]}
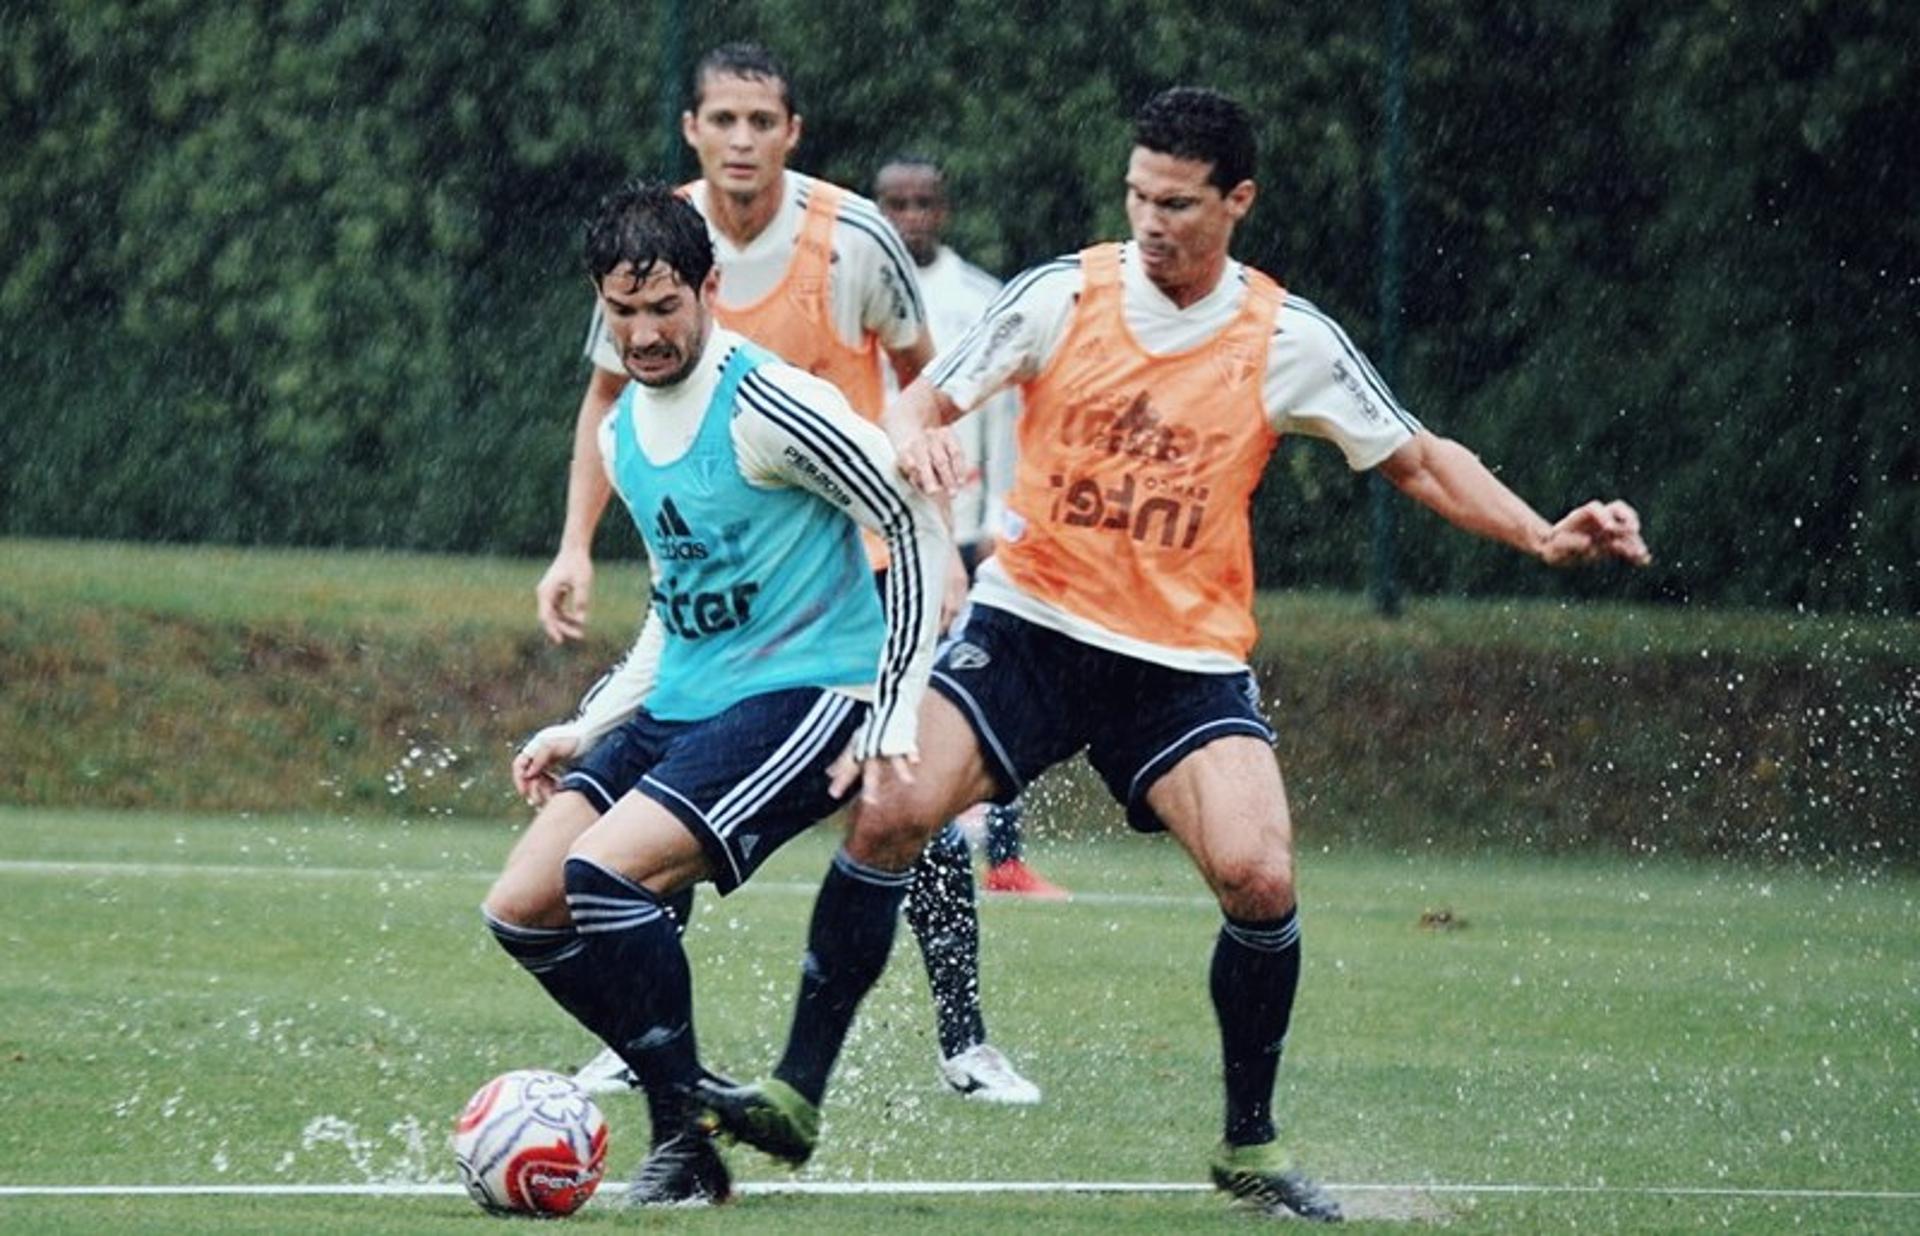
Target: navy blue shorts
{"points": [[744, 782], [1036, 698]]}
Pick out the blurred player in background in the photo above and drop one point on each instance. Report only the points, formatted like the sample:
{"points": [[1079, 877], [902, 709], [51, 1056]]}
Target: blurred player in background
{"points": [[911, 191]]}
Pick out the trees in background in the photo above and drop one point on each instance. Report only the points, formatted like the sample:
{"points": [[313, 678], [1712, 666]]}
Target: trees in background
{"points": [[304, 272]]}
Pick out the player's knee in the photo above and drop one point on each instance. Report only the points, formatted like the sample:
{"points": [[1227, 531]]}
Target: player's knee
{"points": [[891, 835], [521, 899], [885, 851], [1255, 887]]}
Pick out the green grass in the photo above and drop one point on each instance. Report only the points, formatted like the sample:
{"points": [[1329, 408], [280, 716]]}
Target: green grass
{"points": [[190, 994], [302, 999], [403, 593]]}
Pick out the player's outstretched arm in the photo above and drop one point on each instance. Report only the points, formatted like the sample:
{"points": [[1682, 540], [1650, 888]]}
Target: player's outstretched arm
{"points": [[566, 589], [1009, 345], [1450, 480]]}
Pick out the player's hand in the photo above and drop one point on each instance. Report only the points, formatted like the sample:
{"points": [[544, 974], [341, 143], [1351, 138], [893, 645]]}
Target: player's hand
{"points": [[873, 776], [933, 460], [954, 599], [563, 594], [536, 769], [1596, 531]]}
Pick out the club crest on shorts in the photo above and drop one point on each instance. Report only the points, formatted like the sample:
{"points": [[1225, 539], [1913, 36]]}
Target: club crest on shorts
{"points": [[966, 656]]}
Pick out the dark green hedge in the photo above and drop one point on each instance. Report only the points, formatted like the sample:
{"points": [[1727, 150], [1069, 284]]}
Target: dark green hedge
{"points": [[302, 273]]}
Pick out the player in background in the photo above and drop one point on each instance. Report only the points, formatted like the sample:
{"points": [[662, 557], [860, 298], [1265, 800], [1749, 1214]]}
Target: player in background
{"points": [[1116, 616], [816, 275], [766, 660], [808, 270], [911, 192]]}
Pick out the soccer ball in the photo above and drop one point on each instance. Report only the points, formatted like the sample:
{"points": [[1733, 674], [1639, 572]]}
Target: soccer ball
{"points": [[530, 1143]]}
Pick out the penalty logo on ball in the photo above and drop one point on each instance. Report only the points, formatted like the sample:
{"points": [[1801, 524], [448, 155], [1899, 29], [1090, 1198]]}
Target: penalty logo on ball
{"points": [[530, 1142]]}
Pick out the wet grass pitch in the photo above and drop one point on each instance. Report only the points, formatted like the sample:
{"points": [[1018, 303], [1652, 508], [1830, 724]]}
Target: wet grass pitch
{"points": [[1493, 1043]]}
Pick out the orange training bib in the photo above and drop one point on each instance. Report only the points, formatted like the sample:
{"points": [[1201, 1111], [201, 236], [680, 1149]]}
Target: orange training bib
{"points": [[1136, 472], [795, 322]]}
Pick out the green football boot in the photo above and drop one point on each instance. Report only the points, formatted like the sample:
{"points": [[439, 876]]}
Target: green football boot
{"points": [[771, 1116], [1264, 1177]]}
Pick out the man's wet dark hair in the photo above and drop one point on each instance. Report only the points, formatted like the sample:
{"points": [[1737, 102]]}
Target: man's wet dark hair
{"points": [[646, 222], [748, 60], [1193, 122]]}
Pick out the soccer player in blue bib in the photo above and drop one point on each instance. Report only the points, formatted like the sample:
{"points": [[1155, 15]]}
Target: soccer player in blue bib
{"points": [[766, 656]]}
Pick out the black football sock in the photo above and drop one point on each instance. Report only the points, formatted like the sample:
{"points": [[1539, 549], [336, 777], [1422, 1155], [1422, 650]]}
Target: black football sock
{"points": [[847, 945], [553, 955], [644, 1007], [1003, 832], [941, 912], [1256, 968]]}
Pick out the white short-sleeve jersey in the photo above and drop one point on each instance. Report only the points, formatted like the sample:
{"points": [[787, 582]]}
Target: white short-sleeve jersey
{"points": [[1317, 383], [957, 293], [873, 289]]}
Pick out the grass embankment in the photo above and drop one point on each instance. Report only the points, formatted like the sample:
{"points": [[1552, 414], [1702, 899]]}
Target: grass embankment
{"points": [[137, 676]]}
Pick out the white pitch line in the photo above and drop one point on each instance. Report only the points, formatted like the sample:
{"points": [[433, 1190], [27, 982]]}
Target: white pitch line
{"points": [[75, 867], [792, 888], [931, 1188]]}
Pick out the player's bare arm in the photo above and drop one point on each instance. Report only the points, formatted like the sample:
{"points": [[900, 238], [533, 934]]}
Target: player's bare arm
{"points": [[908, 361], [953, 596], [926, 453], [566, 589], [1009, 345], [1448, 479]]}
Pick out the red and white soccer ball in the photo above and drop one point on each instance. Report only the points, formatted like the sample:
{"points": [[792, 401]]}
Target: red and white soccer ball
{"points": [[530, 1143]]}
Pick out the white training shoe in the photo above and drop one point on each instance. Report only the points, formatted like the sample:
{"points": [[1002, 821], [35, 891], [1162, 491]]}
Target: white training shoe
{"points": [[983, 1072], [606, 1073]]}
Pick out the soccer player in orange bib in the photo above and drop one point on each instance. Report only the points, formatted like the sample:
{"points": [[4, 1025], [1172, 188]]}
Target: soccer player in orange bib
{"points": [[1117, 616]]}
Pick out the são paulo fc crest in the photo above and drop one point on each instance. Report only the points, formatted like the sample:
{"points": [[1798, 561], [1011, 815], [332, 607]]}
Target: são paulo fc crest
{"points": [[1236, 362], [966, 656]]}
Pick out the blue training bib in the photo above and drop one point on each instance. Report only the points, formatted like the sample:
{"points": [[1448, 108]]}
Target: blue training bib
{"points": [[760, 589]]}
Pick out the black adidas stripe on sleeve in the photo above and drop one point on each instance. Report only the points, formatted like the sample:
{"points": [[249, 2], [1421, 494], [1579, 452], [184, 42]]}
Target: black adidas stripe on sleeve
{"points": [[844, 462]]}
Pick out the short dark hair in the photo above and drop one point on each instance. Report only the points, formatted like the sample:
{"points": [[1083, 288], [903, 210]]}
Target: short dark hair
{"points": [[748, 60], [908, 158], [911, 158], [646, 222], [1193, 122]]}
